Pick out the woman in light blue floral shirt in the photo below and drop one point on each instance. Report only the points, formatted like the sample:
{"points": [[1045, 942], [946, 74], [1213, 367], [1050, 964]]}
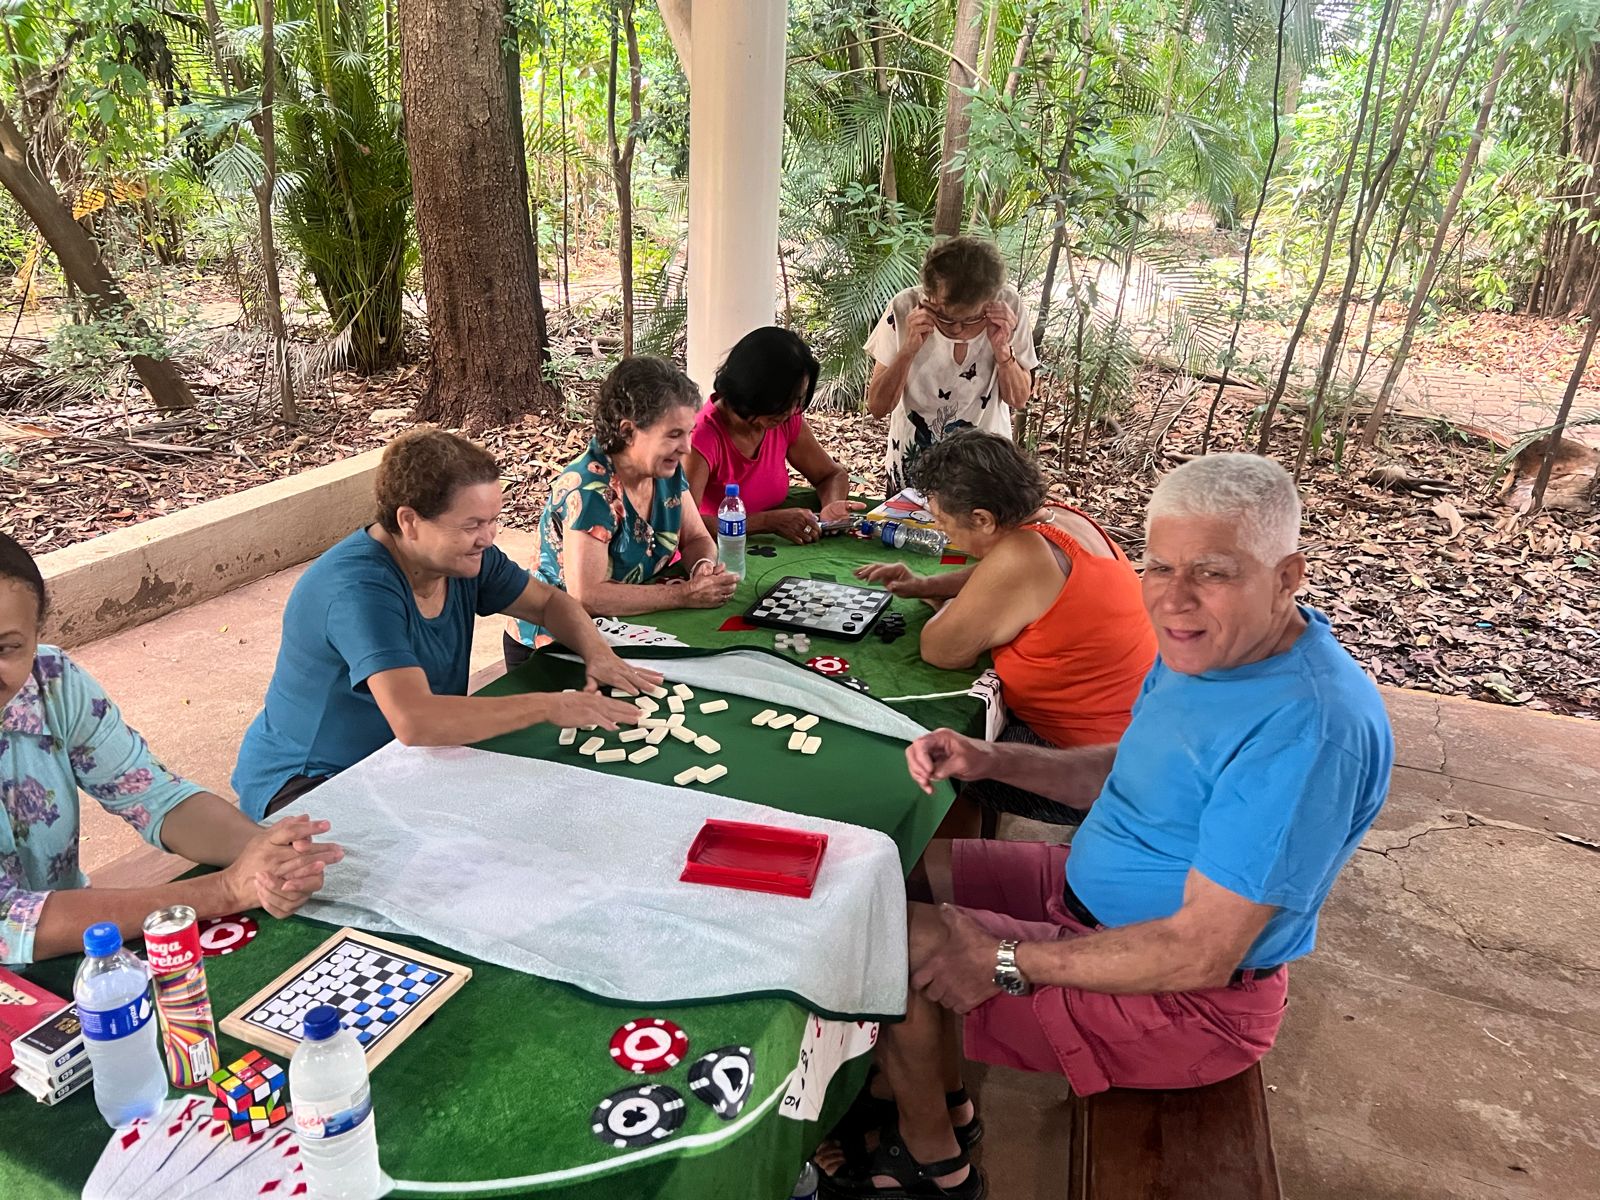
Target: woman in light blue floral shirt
{"points": [[59, 735]]}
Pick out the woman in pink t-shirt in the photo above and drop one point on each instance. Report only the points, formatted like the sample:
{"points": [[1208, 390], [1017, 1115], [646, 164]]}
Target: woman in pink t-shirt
{"points": [[754, 429]]}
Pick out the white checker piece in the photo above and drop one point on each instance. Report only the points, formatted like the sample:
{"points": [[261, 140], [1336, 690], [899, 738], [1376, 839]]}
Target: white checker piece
{"points": [[838, 610]]}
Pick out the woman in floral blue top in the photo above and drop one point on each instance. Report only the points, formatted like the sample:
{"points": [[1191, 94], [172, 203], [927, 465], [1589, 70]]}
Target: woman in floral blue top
{"points": [[59, 734], [627, 494]]}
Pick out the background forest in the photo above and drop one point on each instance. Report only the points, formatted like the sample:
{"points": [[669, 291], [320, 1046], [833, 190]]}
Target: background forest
{"points": [[1342, 232]]}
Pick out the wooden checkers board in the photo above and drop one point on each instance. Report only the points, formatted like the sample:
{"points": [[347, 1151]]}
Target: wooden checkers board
{"points": [[383, 992], [835, 610]]}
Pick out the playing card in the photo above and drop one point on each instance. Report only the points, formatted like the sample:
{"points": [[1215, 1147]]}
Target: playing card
{"points": [[273, 1172], [127, 1160], [251, 1164], [826, 1046], [202, 1137]]}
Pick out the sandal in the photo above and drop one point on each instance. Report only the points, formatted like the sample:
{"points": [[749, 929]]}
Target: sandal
{"points": [[915, 1179], [870, 1114]]}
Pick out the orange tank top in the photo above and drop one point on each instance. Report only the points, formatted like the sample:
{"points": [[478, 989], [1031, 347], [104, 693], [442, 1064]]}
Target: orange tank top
{"points": [[1074, 673]]}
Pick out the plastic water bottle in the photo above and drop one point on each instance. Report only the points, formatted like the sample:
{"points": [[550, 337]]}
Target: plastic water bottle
{"points": [[333, 1111], [730, 531], [112, 991], [806, 1187], [907, 537]]}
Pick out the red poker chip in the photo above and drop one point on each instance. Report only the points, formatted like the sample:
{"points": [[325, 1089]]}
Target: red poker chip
{"points": [[828, 664], [224, 935], [649, 1047]]}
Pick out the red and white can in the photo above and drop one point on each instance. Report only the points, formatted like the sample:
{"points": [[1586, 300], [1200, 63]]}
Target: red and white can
{"points": [[183, 1002]]}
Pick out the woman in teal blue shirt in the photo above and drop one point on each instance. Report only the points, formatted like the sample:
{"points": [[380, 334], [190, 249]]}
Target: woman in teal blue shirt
{"points": [[377, 634], [628, 495], [60, 735]]}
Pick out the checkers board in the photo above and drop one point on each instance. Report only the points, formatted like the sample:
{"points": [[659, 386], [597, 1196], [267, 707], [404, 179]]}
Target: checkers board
{"points": [[383, 993], [835, 610]]}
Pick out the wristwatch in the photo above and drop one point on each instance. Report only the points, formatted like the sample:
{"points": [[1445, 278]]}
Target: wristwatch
{"points": [[1006, 975]]}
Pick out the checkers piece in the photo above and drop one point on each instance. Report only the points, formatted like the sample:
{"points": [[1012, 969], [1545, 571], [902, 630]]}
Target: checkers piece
{"points": [[649, 1046], [637, 1116], [224, 935], [829, 664], [723, 1079]]}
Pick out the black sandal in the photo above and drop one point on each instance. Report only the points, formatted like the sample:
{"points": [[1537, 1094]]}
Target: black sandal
{"points": [[870, 1114], [916, 1179]]}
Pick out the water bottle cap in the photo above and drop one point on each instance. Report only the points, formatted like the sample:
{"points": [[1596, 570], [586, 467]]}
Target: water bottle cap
{"points": [[731, 489], [322, 1022], [102, 940]]}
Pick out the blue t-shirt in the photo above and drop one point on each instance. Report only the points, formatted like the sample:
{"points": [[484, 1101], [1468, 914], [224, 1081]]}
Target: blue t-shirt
{"points": [[1263, 778], [351, 615]]}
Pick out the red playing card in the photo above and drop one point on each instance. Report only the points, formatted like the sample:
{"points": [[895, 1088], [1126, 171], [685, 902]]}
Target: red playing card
{"points": [[953, 560], [737, 625]]}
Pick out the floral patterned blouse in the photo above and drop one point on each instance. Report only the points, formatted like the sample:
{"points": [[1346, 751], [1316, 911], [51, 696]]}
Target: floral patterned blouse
{"points": [[61, 733], [585, 498]]}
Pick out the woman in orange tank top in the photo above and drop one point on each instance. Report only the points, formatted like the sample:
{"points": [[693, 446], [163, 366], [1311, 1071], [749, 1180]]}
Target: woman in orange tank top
{"points": [[1052, 598]]}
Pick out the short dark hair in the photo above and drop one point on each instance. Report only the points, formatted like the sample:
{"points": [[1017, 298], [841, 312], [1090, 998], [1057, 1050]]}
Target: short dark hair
{"points": [[963, 270], [422, 469], [640, 390], [18, 565], [758, 377], [972, 470]]}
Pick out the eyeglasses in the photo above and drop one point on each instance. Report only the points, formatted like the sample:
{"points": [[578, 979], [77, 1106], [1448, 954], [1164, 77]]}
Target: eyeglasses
{"points": [[964, 323]]}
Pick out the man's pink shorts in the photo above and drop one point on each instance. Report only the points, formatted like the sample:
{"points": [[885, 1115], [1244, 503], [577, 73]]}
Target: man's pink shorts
{"points": [[1098, 1040]]}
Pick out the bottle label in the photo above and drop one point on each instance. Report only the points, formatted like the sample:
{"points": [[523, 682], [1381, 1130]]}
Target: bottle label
{"points": [[730, 526], [318, 1121], [109, 1024]]}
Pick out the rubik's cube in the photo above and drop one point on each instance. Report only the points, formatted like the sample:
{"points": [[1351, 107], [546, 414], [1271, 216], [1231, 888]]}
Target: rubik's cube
{"points": [[249, 1095]]}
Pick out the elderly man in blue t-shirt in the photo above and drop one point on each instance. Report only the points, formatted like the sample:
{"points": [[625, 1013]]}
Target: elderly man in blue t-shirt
{"points": [[1151, 952]]}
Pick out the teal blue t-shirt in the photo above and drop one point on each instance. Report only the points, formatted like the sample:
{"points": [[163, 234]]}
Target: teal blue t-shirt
{"points": [[1263, 778], [351, 615]]}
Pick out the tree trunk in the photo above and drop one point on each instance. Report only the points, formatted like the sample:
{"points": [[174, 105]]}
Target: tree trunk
{"points": [[263, 190], [82, 264], [469, 180], [1430, 267], [622, 159], [1576, 272], [950, 205], [888, 182], [1553, 441]]}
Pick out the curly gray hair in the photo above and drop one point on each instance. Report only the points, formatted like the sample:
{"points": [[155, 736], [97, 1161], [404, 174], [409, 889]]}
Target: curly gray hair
{"points": [[639, 390], [1255, 492]]}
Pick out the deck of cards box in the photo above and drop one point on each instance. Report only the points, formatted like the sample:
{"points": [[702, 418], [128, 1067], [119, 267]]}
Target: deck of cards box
{"points": [[249, 1095], [50, 1061]]}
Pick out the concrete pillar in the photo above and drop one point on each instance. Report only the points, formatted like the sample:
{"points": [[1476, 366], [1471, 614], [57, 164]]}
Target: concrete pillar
{"points": [[735, 160]]}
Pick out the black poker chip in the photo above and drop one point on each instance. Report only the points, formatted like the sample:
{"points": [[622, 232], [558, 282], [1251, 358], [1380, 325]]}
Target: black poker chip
{"points": [[851, 682], [723, 1078], [637, 1116]]}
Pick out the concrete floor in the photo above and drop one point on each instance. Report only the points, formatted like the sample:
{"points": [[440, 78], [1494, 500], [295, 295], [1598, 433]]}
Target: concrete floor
{"points": [[1442, 1044]]}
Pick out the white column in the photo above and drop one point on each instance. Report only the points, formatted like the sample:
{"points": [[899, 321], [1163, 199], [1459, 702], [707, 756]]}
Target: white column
{"points": [[735, 159]]}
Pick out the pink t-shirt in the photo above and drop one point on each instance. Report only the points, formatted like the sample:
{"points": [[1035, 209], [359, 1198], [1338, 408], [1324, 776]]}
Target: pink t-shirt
{"points": [[763, 480]]}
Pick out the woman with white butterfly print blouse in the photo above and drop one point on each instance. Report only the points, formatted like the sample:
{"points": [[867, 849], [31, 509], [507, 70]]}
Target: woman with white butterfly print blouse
{"points": [[955, 353]]}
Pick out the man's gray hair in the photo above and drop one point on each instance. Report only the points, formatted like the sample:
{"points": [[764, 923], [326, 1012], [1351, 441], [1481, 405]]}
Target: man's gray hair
{"points": [[1254, 491]]}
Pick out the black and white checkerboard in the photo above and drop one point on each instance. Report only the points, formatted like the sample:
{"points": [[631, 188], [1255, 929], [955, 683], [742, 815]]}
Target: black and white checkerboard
{"points": [[819, 606], [373, 991]]}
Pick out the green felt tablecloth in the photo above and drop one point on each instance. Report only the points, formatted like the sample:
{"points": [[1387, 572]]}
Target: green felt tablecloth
{"points": [[500, 1083]]}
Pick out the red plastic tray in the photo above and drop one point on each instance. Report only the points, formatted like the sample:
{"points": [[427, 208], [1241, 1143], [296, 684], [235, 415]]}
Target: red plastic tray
{"points": [[755, 858]]}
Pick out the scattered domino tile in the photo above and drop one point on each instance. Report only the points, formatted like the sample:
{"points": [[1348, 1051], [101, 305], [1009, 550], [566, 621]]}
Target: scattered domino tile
{"points": [[645, 705], [683, 691], [762, 717], [636, 734], [782, 721], [643, 754], [797, 739], [712, 774], [675, 704], [618, 694], [675, 719], [659, 692], [653, 723], [813, 744], [714, 706], [708, 744], [568, 736], [611, 756], [591, 746], [690, 775], [806, 722], [683, 733], [655, 737], [588, 728]]}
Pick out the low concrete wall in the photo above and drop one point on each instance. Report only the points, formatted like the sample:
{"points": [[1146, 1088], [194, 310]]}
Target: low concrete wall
{"points": [[134, 575]]}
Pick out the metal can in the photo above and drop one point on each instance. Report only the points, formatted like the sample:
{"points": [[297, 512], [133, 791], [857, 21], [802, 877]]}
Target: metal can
{"points": [[183, 1002]]}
